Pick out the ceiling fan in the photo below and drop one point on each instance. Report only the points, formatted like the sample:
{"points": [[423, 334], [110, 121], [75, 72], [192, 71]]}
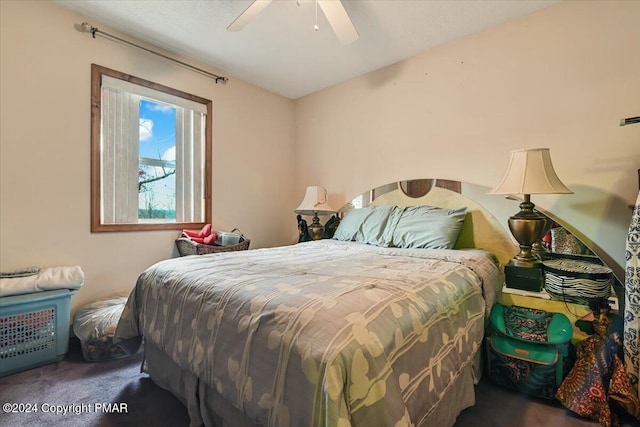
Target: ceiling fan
{"points": [[333, 10]]}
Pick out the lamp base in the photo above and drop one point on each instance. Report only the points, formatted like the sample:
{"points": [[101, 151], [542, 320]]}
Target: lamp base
{"points": [[524, 278], [527, 227], [538, 249], [316, 230], [523, 261]]}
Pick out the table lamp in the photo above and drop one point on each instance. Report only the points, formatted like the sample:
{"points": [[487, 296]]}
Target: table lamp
{"points": [[315, 203], [529, 172]]}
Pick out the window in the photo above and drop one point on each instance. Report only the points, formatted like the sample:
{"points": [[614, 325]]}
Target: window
{"points": [[151, 150]]}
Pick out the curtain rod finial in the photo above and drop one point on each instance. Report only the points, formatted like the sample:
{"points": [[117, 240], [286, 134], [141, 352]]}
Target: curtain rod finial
{"points": [[85, 27], [629, 121]]}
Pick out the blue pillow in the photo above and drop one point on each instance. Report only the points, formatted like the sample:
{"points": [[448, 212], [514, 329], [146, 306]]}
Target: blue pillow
{"points": [[377, 227], [350, 224], [371, 225], [428, 227]]}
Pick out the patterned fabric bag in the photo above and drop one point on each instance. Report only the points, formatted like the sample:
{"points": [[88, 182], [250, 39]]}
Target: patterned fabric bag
{"points": [[597, 379], [528, 350], [632, 299]]}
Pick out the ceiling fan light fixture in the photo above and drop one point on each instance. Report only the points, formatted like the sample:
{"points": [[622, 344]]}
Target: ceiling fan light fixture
{"points": [[249, 13], [339, 20], [333, 10]]}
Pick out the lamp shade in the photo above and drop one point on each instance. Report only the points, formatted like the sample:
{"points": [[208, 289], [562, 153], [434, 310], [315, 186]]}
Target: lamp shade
{"points": [[315, 202], [530, 171]]}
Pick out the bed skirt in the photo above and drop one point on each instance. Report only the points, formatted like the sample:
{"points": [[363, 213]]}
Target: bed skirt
{"points": [[206, 407]]}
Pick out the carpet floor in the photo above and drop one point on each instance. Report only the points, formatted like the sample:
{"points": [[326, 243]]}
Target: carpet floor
{"points": [[78, 393]]}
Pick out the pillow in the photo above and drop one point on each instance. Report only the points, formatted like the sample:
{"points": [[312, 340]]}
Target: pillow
{"points": [[428, 227], [350, 223], [377, 227], [371, 225]]}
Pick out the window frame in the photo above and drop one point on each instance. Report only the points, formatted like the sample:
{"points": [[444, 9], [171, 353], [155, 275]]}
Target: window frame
{"points": [[97, 71]]}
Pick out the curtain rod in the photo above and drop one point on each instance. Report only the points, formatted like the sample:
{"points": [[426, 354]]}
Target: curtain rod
{"points": [[629, 120], [88, 28]]}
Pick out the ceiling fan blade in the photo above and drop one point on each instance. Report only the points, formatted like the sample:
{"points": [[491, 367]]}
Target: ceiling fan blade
{"points": [[339, 20], [251, 12]]}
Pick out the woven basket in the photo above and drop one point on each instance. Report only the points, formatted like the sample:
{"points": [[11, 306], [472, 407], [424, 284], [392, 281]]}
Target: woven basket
{"points": [[187, 246], [576, 281]]}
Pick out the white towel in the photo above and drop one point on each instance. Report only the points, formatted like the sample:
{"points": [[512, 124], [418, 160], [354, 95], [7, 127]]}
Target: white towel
{"points": [[46, 280]]}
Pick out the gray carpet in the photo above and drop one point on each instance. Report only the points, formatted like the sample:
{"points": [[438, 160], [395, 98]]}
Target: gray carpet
{"points": [[81, 385], [76, 382]]}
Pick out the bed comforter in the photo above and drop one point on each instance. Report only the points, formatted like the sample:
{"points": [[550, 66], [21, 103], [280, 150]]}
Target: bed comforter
{"points": [[322, 333]]}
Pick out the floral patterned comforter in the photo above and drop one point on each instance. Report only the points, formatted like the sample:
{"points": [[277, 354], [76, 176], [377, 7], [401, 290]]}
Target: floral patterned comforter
{"points": [[322, 333]]}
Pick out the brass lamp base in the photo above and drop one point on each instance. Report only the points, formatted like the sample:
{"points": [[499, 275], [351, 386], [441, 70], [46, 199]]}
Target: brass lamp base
{"points": [[316, 230], [538, 249], [527, 227]]}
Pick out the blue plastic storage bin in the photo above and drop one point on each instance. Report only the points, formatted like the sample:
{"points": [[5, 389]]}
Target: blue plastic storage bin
{"points": [[34, 329]]}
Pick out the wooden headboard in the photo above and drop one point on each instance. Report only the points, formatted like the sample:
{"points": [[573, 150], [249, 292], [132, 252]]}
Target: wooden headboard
{"points": [[480, 229]]}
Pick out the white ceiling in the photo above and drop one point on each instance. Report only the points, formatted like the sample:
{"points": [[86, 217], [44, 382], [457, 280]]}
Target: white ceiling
{"points": [[280, 51]]}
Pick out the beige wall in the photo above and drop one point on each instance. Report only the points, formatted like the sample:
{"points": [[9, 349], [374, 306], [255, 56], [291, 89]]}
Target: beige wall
{"points": [[44, 137], [560, 78]]}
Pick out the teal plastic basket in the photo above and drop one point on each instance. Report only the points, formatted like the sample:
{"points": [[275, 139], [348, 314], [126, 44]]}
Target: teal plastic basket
{"points": [[34, 329]]}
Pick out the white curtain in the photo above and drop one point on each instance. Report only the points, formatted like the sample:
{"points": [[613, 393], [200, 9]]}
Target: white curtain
{"points": [[120, 136], [119, 168], [632, 299], [189, 165]]}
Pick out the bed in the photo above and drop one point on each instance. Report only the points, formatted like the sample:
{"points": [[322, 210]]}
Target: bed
{"points": [[338, 332]]}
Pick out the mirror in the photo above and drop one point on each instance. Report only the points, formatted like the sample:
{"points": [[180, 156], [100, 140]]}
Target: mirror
{"points": [[416, 188], [561, 239], [150, 155]]}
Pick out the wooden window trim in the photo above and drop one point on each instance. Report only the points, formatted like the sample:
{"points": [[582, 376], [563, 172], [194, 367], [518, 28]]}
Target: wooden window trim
{"points": [[96, 99]]}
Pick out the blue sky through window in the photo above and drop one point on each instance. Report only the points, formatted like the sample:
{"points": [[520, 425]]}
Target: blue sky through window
{"points": [[157, 130], [157, 142]]}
